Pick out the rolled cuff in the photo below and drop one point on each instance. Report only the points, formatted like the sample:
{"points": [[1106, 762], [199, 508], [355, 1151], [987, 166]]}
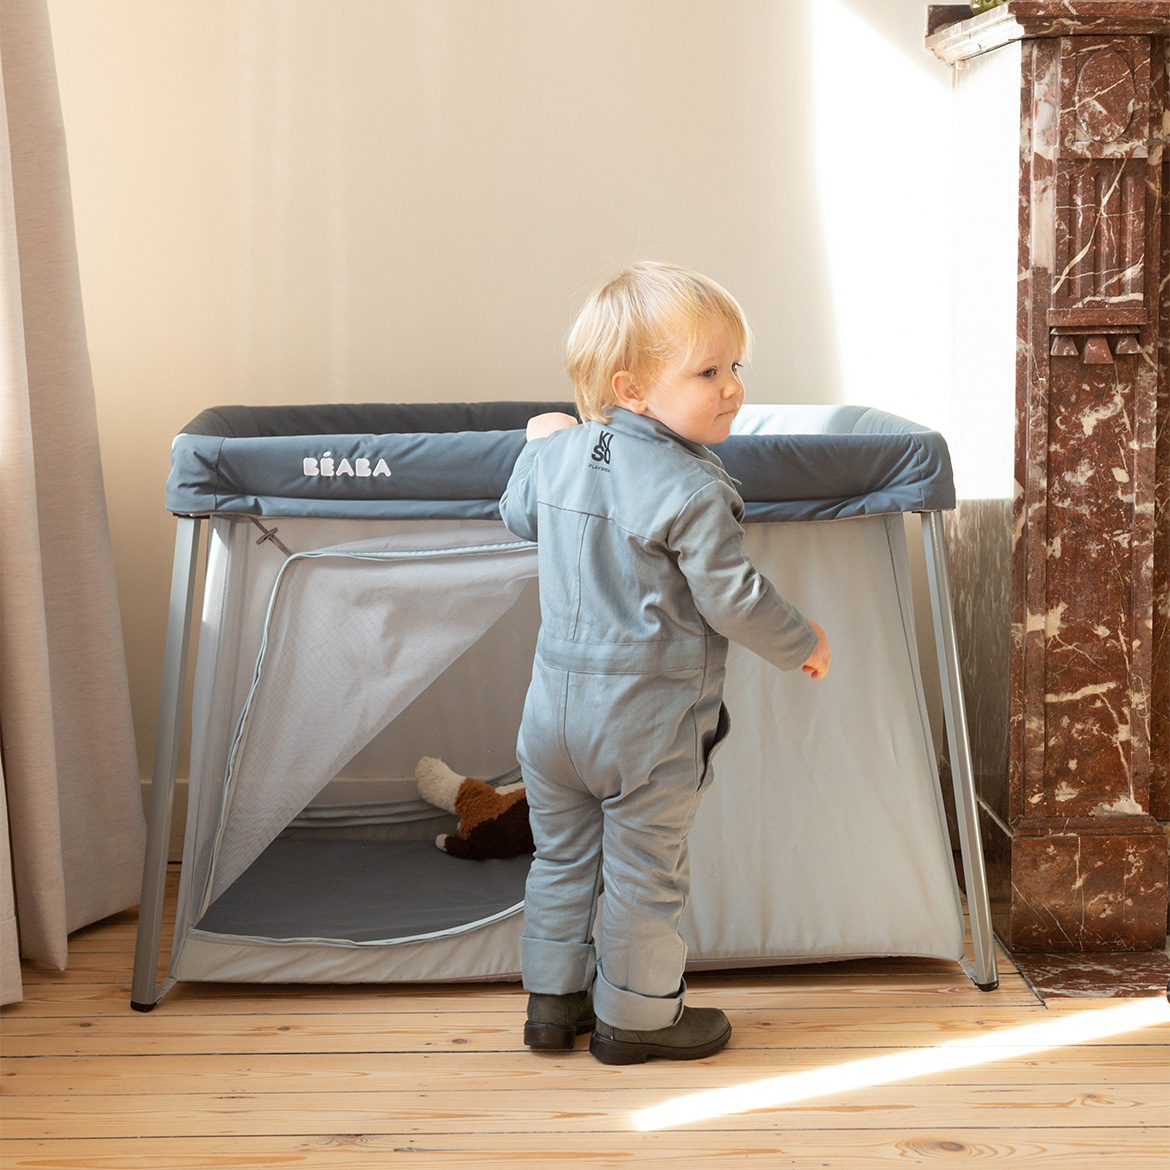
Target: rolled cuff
{"points": [[557, 968], [633, 1012]]}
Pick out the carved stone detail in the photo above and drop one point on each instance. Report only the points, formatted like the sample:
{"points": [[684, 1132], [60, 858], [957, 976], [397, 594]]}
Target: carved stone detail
{"points": [[1104, 97], [1097, 352], [1101, 162], [1100, 236]]}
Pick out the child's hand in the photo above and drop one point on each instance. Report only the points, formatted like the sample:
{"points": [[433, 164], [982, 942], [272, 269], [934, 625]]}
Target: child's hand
{"points": [[817, 663], [543, 425]]}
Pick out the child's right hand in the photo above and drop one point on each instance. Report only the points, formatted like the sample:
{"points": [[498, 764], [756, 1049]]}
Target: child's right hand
{"points": [[817, 663], [542, 425]]}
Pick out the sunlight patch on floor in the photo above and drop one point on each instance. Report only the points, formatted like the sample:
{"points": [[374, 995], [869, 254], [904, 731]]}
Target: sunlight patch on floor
{"points": [[1001, 1044]]}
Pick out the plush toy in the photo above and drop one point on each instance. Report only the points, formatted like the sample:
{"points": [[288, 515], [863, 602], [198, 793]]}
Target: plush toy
{"points": [[493, 822]]}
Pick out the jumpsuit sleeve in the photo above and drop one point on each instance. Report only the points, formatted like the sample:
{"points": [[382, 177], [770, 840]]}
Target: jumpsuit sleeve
{"points": [[732, 595], [518, 503]]}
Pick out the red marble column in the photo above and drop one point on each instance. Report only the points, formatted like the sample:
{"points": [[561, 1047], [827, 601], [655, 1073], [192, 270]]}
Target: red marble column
{"points": [[1082, 855]]}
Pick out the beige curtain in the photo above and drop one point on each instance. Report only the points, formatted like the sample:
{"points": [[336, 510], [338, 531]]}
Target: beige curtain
{"points": [[70, 775]]}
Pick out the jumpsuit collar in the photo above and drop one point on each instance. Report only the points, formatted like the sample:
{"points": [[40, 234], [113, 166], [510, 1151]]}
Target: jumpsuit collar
{"points": [[641, 426]]}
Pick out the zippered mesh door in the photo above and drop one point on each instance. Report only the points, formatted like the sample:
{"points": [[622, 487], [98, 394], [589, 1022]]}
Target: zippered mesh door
{"points": [[353, 634]]}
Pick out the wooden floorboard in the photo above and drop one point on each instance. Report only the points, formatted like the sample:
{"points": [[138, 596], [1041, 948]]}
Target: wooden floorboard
{"points": [[1124, 1060], [1033, 1148], [231, 1076]]}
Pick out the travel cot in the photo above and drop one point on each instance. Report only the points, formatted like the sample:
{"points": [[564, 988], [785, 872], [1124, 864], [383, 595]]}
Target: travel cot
{"points": [[363, 607]]}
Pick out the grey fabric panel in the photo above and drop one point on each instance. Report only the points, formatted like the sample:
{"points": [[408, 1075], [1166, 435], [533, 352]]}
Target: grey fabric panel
{"points": [[823, 833], [489, 952], [251, 459], [791, 463], [827, 477], [276, 507], [382, 418], [830, 462], [806, 419], [362, 891], [218, 474]]}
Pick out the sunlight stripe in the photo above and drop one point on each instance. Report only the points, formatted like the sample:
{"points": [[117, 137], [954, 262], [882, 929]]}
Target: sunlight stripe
{"points": [[1003, 1044]]}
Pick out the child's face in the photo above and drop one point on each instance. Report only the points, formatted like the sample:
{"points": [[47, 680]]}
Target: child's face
{"points": [[699, 390]]}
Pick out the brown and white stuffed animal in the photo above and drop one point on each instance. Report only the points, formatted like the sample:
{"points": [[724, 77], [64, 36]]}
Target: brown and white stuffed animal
{"points": [[493, 822]]}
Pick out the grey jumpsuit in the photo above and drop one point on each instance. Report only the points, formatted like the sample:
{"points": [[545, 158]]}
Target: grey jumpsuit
{"points": [[643, 578]]}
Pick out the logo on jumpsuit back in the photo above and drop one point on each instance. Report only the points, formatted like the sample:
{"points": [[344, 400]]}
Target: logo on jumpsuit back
{"points": [[601, 452]]}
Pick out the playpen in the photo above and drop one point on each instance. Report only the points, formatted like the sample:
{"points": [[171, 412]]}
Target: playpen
{"points": [[363, 607]]}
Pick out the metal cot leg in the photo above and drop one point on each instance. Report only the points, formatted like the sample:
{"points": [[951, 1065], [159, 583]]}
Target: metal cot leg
{"points": [[986, 976], [144, 992]]}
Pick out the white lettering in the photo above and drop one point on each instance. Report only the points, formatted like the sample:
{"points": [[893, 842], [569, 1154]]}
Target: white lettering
{"points": [[327, 465]]}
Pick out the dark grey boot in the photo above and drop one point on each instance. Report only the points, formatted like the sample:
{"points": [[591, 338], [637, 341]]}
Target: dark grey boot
{"points": [[555, 1021], [698, 1033]]}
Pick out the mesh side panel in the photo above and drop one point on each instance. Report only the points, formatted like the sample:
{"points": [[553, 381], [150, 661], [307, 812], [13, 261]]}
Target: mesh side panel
{"points": [[354, 633], [240, 576], [238, 580]]}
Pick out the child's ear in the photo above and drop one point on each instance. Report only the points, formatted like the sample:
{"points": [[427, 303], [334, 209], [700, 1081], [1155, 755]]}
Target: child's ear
{"points": [[626, 393]]}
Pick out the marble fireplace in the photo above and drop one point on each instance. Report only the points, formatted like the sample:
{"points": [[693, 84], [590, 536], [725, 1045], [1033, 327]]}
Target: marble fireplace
{"points": [[1059, 545]]}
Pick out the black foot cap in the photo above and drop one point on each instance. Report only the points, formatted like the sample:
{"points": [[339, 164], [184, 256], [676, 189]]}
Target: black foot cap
{"points": [[988, 986], [142, 1007]]}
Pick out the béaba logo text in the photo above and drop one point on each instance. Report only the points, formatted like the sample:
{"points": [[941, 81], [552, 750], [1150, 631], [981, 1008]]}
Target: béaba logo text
{"points": [[326, 465]]}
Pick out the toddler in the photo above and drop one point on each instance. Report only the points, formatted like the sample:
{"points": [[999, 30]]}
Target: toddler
{"points": [[643, 578]]}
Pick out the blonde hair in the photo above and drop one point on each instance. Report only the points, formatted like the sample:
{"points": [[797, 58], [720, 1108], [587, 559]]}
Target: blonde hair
{"points": [[633, 322]]}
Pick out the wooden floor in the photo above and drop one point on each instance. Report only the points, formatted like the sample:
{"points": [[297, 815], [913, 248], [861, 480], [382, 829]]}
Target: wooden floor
{"points": [[241, 1076]]}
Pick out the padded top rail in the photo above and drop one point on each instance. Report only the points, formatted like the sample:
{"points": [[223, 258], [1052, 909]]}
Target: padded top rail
{"points": [[452, 461]]}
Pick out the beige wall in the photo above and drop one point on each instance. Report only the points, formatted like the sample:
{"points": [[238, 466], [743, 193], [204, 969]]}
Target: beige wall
{"points": [[345, 200]]}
